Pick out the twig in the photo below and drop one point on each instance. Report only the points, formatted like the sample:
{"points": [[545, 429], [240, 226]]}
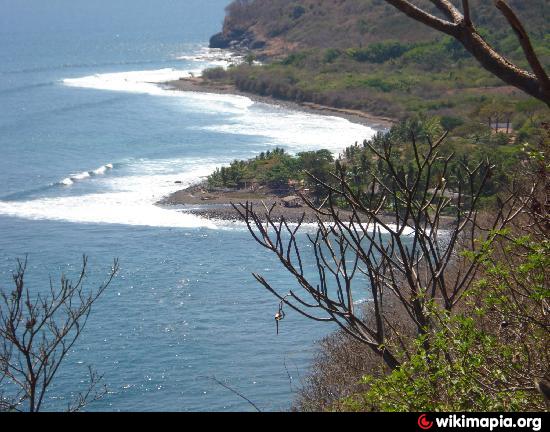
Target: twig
{"points": [[213, 378]]}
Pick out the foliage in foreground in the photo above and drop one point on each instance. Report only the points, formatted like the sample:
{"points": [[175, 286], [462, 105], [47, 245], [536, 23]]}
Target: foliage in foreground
{"points": [[490, 354], [485, 358]]}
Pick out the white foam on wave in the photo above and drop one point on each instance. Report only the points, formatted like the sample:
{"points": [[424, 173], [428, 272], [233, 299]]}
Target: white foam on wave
{"points": [[108, 208], [130, 199], [212, 57], [81, 176], [298, 131], [68, 181], [127, 200], [273, 125], [146, 81], [132, 82], [149, 82], [102, 169]]}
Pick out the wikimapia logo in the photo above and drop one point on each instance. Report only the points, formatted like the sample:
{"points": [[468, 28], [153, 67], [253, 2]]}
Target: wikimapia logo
{"points": [[424, 423], [454, 421]]}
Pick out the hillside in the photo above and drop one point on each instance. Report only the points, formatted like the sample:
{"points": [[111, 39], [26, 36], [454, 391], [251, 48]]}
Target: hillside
{"points": [[277, 27], [367, 56]]}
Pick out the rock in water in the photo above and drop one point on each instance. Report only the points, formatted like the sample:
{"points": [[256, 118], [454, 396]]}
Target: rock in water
{"points": [[219, 41]]}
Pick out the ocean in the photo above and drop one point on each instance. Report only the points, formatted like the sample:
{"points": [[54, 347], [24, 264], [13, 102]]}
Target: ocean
{"points": [[89, 142]]}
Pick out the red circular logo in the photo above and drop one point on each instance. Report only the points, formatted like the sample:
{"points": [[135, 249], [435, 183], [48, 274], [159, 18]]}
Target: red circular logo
{"points": [[424, 423]]}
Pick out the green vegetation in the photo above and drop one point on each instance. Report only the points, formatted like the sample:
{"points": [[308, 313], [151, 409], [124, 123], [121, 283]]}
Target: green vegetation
{"points": [[478, 360], [489, 350], [378, 61], [485, 355], [357, 23], [274, 169], [387, 78], [277, 169]]}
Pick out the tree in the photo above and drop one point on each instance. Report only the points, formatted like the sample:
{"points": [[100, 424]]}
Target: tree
{"points": [[249, 59], [397, 240], [318, 163], [492, 354], [460, 26], [37, 331]]}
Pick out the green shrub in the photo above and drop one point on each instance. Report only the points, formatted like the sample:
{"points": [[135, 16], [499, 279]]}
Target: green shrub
{"points": [[379, 52], [298, 11], [450, 123], [331, 55], [216, 73], [485, 358]]}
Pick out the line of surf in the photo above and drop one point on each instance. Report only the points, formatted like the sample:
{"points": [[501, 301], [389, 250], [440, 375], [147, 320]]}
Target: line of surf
{"points": [[68, 181], [130, 199]]}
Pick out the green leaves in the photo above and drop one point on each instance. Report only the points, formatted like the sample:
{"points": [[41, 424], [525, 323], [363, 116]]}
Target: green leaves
{"points": [[273, 168], [484, 358]]}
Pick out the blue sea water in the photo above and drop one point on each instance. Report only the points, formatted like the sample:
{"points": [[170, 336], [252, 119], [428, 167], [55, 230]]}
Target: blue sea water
{"points": [[89, 141]]}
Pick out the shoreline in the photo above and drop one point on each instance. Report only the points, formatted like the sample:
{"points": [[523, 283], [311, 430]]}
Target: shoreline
{"points": [[198, 84], [216, 205], [197, 200]]}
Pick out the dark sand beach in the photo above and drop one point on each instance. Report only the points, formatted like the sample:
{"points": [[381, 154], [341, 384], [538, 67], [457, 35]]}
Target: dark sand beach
{"points": [[198, 200], [217, 204]]}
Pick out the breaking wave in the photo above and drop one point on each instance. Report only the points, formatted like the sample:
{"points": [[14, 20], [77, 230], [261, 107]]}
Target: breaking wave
{"points": [[68, 181]]}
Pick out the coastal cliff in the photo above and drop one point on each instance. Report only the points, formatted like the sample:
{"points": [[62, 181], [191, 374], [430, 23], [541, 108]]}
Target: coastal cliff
{"points": [[277, 27]]}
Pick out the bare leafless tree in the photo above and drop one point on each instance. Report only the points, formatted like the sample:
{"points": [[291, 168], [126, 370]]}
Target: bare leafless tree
{"points": [[460, 26], [401, 236], [37, 331]]}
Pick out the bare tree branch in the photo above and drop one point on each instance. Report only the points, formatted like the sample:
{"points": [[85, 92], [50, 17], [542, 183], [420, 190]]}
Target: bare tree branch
{"points": [[526, 45], [448, 9], [217, 381], [461, 28], [467, 15], [424, 17], [37, 332], [396, 242]]}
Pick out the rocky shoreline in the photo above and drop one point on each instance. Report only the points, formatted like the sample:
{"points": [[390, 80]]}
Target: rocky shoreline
{"points": [[217, 204]]}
